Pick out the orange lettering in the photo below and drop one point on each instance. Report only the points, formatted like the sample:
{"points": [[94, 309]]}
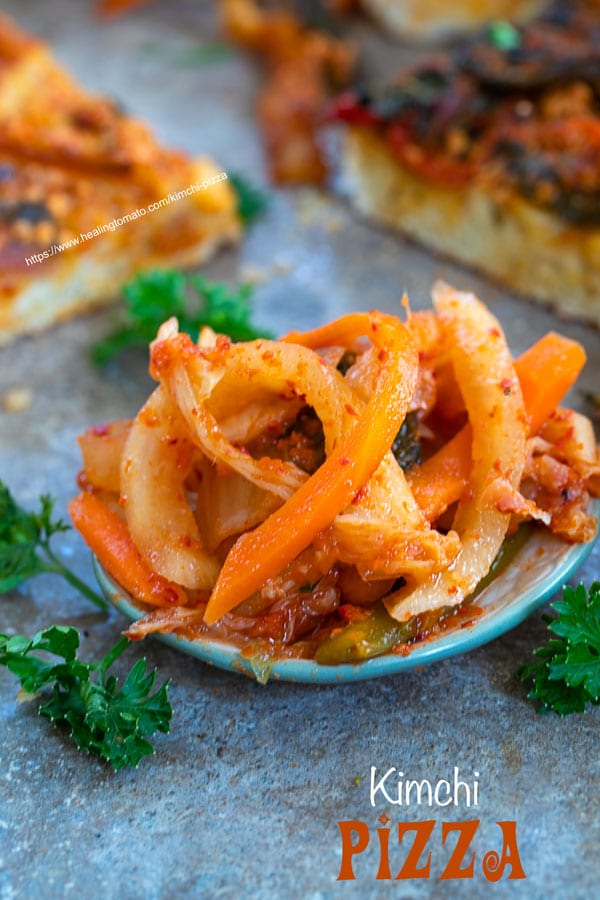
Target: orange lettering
{"points": [[384, 872], [349, 849], [493, 865], [422, 830], [466, 834]]}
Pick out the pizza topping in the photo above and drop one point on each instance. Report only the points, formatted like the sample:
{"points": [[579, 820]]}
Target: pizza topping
{"points": [[525, 110], [543, 53], [75, 172], [304, 66]]}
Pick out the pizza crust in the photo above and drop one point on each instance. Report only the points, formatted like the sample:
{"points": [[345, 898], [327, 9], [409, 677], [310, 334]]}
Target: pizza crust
{"points": [[88, 198], [481, 225], [437, 19]]}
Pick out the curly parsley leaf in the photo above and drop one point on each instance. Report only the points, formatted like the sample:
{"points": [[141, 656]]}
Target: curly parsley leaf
{"points": [[25, 549], [152, 297], [252, 202], [226, 311], [104, 717], [565, 676]]}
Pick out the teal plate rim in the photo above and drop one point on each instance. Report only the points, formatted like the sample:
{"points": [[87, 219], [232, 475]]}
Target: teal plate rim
{"points": [[500, 614]]}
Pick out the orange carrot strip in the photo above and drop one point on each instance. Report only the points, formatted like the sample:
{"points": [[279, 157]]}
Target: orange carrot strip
{"points": [[108, 538], [261, 554], [546, 371]]}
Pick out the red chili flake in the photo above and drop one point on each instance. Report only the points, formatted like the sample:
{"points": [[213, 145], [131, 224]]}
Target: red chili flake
{"points": [[494, 332], [82, 481], [148, 418], [268, 354], [161, 358], [382, 355], [350, 410], [360, 494], [273, 429], [344, 461], [100, 430], [170, 594], [350, 613], [506, 386]]}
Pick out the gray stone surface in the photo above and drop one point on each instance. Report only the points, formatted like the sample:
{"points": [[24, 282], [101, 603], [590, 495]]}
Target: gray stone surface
{"points": [[243, 797]]}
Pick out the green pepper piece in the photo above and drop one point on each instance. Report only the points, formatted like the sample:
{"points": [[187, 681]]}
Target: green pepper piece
{"points": [[379, 633], [506, 554], [372, 636]]}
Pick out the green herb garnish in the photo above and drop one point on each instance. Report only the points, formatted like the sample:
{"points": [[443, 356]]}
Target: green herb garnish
{"points": [[152, 297], [503, 35], [25, 546], [203, 54], [566, 675], [104, 718], [251, 201], [197, 55]]}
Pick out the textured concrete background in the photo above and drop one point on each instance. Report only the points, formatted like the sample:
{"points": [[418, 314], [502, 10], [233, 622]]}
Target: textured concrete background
{"points": [[243, 797]]}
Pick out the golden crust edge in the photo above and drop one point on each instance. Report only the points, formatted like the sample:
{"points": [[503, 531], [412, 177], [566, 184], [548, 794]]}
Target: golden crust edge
{"points": [[500, 235], [93, 280]]}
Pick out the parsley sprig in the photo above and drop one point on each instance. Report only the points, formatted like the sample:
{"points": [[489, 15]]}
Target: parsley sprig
{"points": [[252, 202], [105, 718], [25, 549], [152, 297], [566, 675]]}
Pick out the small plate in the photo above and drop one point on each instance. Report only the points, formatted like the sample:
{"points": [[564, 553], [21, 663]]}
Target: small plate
{"points": [[539, 569]]}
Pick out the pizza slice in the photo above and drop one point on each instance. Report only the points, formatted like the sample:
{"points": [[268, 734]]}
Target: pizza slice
{"points": [[491, 154], [87, 196]]}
